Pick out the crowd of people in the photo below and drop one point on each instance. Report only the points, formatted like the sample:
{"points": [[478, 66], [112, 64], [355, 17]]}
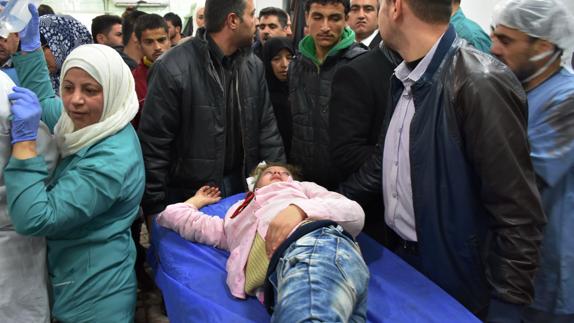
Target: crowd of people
{"points": [[399, 118]]}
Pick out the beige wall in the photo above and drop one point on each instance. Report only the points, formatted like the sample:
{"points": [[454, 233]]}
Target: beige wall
{"points": [[481, 10], [85, 10]]}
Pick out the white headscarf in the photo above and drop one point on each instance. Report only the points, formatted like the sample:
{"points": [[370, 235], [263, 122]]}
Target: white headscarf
{"points": [[106, 66]]}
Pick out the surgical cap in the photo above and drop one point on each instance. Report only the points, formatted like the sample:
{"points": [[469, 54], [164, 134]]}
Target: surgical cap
{"points": [[544, 19]]}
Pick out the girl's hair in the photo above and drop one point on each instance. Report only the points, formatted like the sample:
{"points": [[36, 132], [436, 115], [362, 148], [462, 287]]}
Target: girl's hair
{"points": [[293, 170]]}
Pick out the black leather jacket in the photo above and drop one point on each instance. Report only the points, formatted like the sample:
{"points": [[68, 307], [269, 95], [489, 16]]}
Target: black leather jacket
{"points": [[477, 209], [182, 128], [310, 92]]}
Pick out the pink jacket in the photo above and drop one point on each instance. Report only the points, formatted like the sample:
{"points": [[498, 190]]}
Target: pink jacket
{"points": [[236, 235]]}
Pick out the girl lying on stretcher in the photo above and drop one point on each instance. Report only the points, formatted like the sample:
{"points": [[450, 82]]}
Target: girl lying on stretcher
{"points": [[316, 271]]}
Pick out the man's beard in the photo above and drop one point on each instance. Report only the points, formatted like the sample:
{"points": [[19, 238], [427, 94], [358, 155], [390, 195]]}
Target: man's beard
{"points": [[245, 42], [525, 71]]}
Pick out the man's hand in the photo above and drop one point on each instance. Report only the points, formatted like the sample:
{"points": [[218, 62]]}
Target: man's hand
{"points": [[281, 226], [204, 196]]}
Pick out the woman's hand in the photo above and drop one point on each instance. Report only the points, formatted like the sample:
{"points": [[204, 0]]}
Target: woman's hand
{"points": [[30, 36], [204, 196], [26, 113]]}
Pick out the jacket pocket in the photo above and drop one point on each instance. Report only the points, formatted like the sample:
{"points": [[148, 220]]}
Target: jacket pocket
{"points": [[192, 171], [199, 138], [73, 295]]}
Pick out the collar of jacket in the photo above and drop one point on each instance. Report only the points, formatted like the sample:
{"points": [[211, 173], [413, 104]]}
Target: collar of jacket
{"points": [[307, 46], [201, 38], [390, 54], [444, 46]]}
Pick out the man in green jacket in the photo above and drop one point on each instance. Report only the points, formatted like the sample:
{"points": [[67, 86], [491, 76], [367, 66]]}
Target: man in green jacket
{"points": [[329, 45]]}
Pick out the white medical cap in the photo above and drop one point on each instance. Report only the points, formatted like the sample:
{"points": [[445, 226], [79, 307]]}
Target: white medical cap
{"points": [[545, 19]]}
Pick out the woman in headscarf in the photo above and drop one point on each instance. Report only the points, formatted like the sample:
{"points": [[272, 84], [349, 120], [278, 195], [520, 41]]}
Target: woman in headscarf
{"points": [[277, 54], [59, 35], [86, 208]]}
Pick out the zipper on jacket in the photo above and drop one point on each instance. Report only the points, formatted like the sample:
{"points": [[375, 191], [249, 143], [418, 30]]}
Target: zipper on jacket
{"points": [[215, 75], [239, 107]]}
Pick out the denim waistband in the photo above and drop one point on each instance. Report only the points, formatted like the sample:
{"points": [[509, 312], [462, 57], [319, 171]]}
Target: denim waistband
{"points": [[269, 297]]}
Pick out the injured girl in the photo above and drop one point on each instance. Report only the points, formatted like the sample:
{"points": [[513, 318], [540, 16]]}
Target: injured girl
{"points": [[292, 241]]}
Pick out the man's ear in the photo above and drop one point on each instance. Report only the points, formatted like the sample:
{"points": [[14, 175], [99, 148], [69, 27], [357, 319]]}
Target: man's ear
{"points": [[542, 46], [233, 21], [178, 29], [133, 38], [397, 8], [135, 41], [100, 38]]}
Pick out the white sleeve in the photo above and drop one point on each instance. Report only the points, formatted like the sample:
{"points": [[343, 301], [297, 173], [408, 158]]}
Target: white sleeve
{"points": [[45, 144], [6, 85]]}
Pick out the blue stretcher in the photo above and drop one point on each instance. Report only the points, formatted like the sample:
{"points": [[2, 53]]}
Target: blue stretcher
{"points": [[192, 276]]}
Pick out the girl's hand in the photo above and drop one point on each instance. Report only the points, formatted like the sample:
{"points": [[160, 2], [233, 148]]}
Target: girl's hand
{"points": [[206, 195]]}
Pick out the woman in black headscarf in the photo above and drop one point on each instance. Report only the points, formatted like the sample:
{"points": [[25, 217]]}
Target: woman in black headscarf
{"points": [[277, 53]]}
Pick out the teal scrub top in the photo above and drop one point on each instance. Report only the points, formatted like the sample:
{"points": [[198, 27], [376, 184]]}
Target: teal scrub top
{"points": [[471, 32]]}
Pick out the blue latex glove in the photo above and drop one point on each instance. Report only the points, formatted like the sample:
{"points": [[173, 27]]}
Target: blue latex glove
{"points": [[503, 312], [30, 36], [26, 113]]}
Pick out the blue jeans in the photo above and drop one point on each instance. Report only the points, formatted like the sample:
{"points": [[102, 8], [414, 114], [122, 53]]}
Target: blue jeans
{"points": [[321, 277]]}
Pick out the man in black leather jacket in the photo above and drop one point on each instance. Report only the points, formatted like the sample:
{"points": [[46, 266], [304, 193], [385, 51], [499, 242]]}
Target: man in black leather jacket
{"points": [[458, 183], [207, 116], [329, 45]]}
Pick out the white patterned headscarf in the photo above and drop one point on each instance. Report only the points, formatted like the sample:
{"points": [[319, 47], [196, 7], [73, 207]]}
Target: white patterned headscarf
{"points": [[106, 66]]}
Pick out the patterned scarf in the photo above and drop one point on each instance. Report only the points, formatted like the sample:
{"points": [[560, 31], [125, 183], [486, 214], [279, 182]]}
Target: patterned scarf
{"points": [[62, 35]]}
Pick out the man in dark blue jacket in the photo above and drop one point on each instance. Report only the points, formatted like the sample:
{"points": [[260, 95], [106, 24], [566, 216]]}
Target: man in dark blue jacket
{"points": [[458, 184]]}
